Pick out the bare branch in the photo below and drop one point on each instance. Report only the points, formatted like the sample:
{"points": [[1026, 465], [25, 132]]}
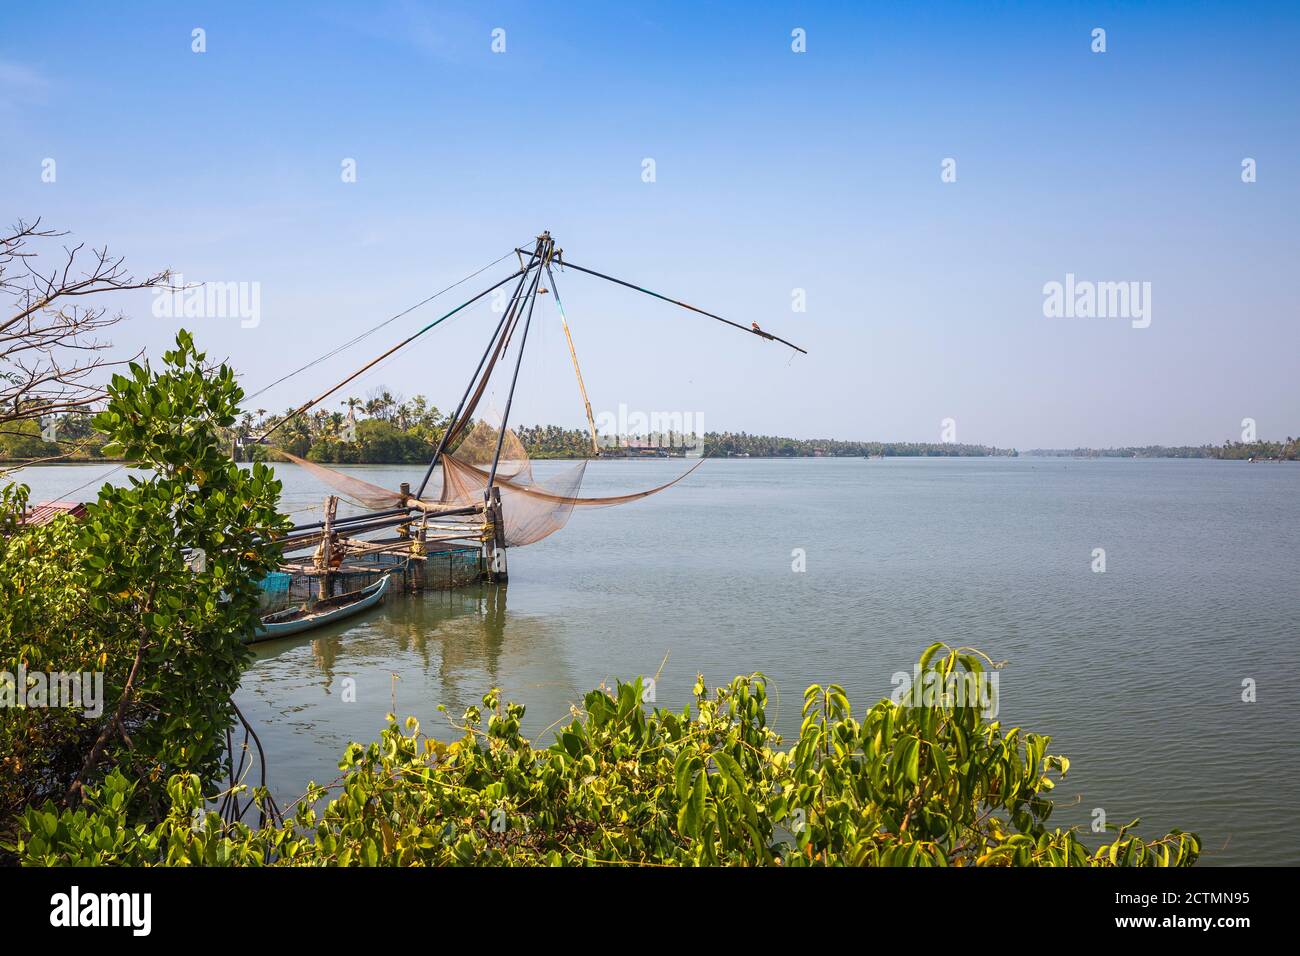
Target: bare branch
{"points": [[51, 358]]}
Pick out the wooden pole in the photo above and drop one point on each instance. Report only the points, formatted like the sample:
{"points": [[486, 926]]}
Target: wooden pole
{"points": [[404, 530], [494, 538], [419, 554], [325, 553], [685, 305], [488, 538]]}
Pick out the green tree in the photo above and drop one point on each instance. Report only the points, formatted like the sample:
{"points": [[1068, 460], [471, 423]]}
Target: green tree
{"points": [[114, 593], [22, 440]]}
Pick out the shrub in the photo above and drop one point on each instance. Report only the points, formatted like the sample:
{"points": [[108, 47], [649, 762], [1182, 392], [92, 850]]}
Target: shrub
{"points": [[934, 785]]}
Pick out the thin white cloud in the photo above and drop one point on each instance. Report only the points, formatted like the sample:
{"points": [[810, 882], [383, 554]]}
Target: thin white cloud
{"points": [[432, 30], [20, 85]]}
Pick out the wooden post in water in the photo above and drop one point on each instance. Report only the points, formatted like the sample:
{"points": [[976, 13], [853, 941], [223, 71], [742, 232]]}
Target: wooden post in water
{"points": [[324, 559], [495, 537], [412, 580], [404, 530], [488, 539], [498, 523], [419, 556]]}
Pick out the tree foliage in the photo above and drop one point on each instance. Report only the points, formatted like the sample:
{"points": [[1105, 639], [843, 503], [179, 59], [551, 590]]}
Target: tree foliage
{"points": [[74, 440], [114, 593], [1230, 450]]}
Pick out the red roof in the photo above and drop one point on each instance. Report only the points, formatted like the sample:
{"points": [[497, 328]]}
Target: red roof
{"points": [[44, 512]]}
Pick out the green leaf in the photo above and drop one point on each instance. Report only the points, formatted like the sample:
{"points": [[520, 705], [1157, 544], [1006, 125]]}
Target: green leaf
{"points": [[690, 818]]}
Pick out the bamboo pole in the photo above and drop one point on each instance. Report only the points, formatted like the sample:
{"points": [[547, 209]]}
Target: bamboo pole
{"points": [[685, 305], [573, 354]]}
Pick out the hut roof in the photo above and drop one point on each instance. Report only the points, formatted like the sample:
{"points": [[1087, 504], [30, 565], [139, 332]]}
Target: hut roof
{"points": [[44, 512]]}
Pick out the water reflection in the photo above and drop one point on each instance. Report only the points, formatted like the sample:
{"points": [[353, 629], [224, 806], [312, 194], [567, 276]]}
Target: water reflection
{"points": [[465, 628], [414, 652], [420, 625]]}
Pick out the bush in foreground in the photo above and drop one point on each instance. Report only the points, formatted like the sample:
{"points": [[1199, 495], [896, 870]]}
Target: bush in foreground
{"points": [[932, 784]]}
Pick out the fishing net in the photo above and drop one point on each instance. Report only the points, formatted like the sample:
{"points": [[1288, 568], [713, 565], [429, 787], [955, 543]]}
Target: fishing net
{"points": [[531, 509], [353, 489], [479, 447]]}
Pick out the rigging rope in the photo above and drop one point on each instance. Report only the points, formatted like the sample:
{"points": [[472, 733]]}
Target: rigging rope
{"points": [[375, 361], [351, 342]]}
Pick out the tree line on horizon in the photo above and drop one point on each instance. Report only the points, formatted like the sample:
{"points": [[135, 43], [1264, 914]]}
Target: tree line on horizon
{"points": [[1288, 450], [386, 428]]}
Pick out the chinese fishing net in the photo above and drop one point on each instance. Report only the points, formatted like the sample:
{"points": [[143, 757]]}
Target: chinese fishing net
{"points": [[531, 509]]}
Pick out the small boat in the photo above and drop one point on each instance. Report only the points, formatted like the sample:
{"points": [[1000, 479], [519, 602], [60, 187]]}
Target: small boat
{"points": [[295, 620]]}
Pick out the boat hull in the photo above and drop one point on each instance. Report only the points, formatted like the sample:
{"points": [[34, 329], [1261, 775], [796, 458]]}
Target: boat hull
{"points": [[366, 598]]}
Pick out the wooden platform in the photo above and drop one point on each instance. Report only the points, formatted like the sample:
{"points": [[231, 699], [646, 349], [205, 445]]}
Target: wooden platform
{"points": [[439, 570]]}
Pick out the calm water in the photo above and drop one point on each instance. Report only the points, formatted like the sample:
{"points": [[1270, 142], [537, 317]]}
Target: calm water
{"points": [[1136, 672]]}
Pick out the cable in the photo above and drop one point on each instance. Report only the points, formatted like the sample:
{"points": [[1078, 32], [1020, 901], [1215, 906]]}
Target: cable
{"points": [[104, 476], [351, 342]]}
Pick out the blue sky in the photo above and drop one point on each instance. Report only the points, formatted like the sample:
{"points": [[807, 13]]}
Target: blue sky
{"points": [[774, 171]]}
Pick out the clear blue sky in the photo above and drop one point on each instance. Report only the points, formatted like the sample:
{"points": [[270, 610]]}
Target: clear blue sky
{"points": [[775, 171]]}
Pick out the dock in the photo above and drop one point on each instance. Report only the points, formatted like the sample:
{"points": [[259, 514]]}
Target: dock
{"points": [[431, 550]]}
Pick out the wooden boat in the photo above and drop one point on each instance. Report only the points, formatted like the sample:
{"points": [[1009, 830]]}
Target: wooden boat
{"points": [[298, 619]]}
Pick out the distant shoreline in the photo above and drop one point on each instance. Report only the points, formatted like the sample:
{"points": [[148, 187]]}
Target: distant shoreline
{"points": [[400, 432], [1034, 454]]}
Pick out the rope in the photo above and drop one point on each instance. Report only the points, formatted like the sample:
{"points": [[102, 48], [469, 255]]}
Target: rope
{"points": [[375, 361], [351, 342], [565, 264], [105, 475]]}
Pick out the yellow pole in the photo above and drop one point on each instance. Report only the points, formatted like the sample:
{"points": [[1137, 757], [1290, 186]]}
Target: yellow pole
{"points": [[591, 421]]}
